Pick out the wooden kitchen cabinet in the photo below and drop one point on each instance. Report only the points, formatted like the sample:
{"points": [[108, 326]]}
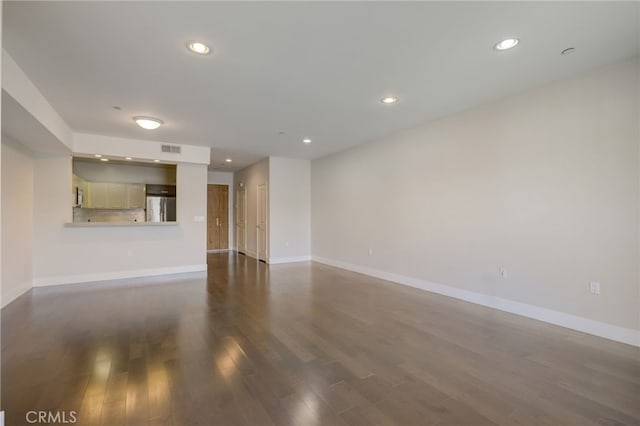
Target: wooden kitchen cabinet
{"points": [[116, 195], [98, 194], [136, 196], [103, 195]]}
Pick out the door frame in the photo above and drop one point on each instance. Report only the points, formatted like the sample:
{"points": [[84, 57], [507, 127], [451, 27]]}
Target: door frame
{"points": [[266, 221], [241, 248]]}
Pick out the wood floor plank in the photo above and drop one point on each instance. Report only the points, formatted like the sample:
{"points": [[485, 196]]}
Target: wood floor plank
{"points": [[299, 345]]}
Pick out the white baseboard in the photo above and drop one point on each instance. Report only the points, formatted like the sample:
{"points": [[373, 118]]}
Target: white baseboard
{"points": [[105, 276], [289, 259], [9, 296], [219, 251], [586, 325]]}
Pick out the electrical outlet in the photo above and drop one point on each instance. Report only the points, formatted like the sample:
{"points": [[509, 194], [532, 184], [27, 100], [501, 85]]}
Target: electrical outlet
{"points": [[502, 272], [595, 287]]}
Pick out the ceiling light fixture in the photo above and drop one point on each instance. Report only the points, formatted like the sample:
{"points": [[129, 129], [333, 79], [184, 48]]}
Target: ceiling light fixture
{"points": [[228, 160], [389, 100], [506, 44], [198, 48], [306, 140], [148, 123]]}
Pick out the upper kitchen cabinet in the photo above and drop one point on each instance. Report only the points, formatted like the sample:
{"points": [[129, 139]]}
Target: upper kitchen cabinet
{"points": [[117, 195], [135, 196], [97, 195], [106, 195]]}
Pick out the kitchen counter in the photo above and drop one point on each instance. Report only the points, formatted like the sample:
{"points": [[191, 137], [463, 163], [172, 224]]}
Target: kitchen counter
{"points": [[117, 224]]}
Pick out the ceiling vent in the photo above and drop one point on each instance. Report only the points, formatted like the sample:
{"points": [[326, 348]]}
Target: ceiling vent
{"points": [[173, 149]]}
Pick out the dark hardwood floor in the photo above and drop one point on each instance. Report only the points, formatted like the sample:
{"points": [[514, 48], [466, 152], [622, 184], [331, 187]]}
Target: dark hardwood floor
{"points": [[300, 344]]}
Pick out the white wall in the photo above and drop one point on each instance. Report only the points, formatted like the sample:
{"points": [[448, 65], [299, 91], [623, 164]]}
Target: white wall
{"points": [[289, 210], [226, 178], [65, 255], [2, 302], [88, 145], [544, 184], [17, 219], [251, 177]]}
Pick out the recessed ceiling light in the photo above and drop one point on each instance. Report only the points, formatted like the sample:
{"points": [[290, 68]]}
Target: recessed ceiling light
{"points": [[98, 156], [128, 158], [389, 100], [228, 160], [156, 161], [306, 140], [198, 47], [104, 159], [507, 43], [148, 123]]}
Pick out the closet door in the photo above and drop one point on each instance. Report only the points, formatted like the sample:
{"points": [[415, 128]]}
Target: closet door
{"points": [[217, 217]]}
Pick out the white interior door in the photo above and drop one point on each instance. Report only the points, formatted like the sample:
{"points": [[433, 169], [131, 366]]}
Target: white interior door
{"points": [[262, 222], [241, 220]]}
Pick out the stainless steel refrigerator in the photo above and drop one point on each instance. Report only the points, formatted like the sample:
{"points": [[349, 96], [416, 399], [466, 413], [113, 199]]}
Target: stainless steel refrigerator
{"points": [[161, 203], [161, 209]]}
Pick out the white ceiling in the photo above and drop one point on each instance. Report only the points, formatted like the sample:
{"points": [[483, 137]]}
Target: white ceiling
{"points": [[309, 69]]}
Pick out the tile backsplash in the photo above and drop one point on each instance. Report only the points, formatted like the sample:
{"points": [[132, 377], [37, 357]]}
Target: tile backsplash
{"points": [[108, 215]]}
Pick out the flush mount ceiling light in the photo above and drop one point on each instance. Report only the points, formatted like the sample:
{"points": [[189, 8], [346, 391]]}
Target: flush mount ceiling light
{"points": [[148, 123], [198, 48], [306, 140], [389, 100], [228, 160], [507, 43]]}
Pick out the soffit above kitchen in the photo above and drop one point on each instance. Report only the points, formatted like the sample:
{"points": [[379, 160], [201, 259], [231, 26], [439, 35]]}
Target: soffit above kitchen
{"points": [[282, 72]]}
